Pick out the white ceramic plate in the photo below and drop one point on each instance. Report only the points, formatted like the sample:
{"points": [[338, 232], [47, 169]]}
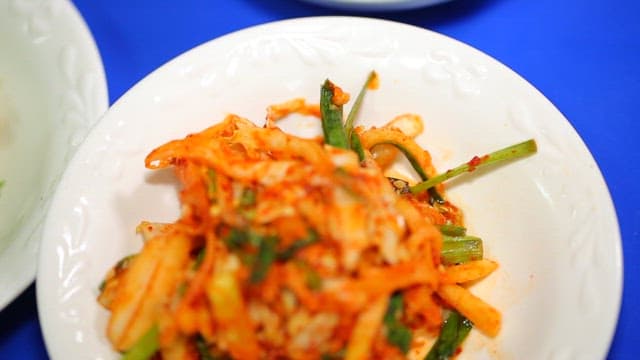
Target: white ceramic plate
{"points": [[52, 90], [547, 219], [376, 5]]}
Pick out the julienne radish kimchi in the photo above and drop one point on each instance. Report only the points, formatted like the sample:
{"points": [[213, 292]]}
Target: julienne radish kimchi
{"points": [[301, 248]]}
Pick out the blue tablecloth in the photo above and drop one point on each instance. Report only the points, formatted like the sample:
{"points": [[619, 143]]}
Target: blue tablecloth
{"points": [[584, 55]]}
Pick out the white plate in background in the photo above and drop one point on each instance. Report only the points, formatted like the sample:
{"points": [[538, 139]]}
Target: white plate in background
{"points": [[376, 5], [52, 90], [547, 219]]}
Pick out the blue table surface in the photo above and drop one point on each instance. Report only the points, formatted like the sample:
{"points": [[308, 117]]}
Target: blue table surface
{"points": [[584, 55]]}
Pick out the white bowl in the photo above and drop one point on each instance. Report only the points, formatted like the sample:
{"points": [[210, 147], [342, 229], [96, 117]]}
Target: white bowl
{"points": [[52, 90], [547, 219]]}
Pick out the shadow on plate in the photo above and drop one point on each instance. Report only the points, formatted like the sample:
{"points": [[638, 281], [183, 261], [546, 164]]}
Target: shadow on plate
{"points": [[429, 17]]}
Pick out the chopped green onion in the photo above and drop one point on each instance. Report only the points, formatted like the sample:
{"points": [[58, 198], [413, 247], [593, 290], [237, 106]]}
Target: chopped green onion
{"points": [[398, 334], [331, 115], [509, 153], [236, 239], [182, 289], [265, 257], [461, 250], [356, 146], [199, 258], [453, 230], [338, 355], [454, 330], [312, 278], [145, 347], [255, 239], [395, 308], [212, 186], [203, 349], [248, 197], [290, 251], [448, 238], [357, 104]]}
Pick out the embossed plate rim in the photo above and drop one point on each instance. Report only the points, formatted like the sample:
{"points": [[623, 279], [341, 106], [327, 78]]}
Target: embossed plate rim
{"points": [[471, 104], [62, 47]]}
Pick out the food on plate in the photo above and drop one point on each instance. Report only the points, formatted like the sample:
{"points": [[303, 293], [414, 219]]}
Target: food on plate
{"points": [[302, 248]]}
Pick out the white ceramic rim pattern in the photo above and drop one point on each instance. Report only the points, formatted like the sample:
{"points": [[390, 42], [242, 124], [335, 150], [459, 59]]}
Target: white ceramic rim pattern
{"points": [[547, 219], [56, 33], [376, 5]]}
